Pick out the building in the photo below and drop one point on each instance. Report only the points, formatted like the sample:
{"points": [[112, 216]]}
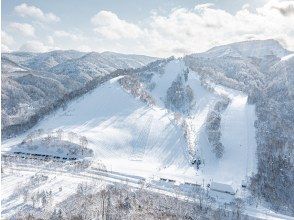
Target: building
{"points": [[222, 187]]}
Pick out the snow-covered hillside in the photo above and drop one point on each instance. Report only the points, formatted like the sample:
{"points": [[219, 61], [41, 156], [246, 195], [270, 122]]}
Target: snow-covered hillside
{"points": [[93, 64], [9, 66], [219, 118], [34, 81], [264, 71], [45, 61], [254, 48], [131, 137]]}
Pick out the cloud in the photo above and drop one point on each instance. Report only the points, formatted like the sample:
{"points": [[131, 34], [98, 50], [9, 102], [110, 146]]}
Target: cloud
{"points": [[5, 48], [286, 8], [180, 31], [6, 38], [108, 25], [203, 6], [25, 10], [246, 6], [50, 40], [66, 34], [36, 46], [23, 28], [84, 48], [6, 41], [185, 31]]}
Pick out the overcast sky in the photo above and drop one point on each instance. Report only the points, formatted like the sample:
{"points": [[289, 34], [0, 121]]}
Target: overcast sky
{"points": [[153, 27]]}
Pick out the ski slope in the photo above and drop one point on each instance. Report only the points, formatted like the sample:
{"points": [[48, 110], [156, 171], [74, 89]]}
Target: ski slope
{"points": [[132, 138], [112, 126], [238, 137]]}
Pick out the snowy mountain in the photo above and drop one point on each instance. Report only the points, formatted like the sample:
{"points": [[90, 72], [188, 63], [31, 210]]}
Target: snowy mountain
{"points": [[93, 63], [264, 71], [45, 61], [127, 134], [223, 117], [9, 66], [18, 57], [254, 48], [244, 65], [31, 82]]}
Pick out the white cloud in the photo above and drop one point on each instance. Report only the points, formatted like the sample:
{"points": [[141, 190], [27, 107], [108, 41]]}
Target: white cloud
{"points": [[84, 48], [6, 38], [286, 8], [25, 10], [246, 6], [110, 26], [6, 41], [66, 34], [185, 31], [36, 46], [50, 40], [181, 31], [203, 6], [23, 28], [5, 48]]}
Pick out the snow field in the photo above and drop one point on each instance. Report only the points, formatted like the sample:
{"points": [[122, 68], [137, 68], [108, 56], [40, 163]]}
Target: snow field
{"points": [[115, 124]]}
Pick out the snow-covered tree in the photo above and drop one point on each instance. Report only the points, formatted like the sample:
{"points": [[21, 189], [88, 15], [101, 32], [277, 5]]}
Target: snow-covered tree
{"points": [[213, 127], [59, 133], [71, 136], [83, 142], [179, 97]]}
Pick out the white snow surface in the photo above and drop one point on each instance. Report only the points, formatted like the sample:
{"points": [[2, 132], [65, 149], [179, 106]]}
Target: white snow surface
{"points": [[288, 57], [238, 137], [116, 124]]}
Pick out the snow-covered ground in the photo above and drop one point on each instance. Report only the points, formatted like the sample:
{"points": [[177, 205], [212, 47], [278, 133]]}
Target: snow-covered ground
{"points": [[63, 183], [238, 137], [116, 124], [113, 126], [17, 179], [132, 138]]}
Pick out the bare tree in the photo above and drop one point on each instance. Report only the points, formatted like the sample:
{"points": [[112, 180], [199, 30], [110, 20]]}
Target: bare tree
{"points": [[71, 136], [103, 202], [25, 195], [47, 139], [29, 138], [84, 143], [34, 200], [59, 133], [56, 215], [238, 206]]}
